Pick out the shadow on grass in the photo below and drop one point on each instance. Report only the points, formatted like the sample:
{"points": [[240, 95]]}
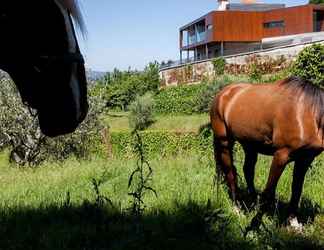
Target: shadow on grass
{"points": [[307, 210], [88, 226], [92, 227]]}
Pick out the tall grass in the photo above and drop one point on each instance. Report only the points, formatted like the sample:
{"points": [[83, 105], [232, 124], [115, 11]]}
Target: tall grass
{"points": [[54, 207]]}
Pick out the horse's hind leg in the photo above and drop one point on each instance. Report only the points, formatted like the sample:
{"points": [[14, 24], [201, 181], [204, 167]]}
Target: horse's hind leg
{"points": [[223, 148], [251, 157]]}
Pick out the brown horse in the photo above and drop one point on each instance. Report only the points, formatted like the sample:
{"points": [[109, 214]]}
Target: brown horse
{"points": [[284, 119]]}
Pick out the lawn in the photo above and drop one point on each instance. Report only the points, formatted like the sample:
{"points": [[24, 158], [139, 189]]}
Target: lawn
{"points": [[55, 206]]}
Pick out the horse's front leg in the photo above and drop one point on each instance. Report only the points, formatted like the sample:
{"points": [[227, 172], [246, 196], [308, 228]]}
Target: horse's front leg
{"points": [[279, 162]]}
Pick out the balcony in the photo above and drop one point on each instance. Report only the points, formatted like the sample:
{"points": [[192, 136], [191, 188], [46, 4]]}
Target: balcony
{"points": [[195, 34], [198, 37]]}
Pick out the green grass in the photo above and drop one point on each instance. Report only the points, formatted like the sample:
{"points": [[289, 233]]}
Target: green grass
{"points": [[54, 207], [118, 122]]}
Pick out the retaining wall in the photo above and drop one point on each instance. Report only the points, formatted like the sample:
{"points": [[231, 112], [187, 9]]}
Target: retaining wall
{"points": [[197, 71]]}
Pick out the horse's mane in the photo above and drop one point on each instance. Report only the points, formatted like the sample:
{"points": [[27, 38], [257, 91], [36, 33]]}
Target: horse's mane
{"points": [[73, 7], [313, 95]]}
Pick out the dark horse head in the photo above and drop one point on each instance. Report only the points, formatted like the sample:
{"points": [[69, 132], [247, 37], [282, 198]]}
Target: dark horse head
{"points": [[39, 50]]}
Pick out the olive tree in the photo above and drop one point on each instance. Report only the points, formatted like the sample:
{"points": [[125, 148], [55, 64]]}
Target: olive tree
{"points": [[20, 132]]}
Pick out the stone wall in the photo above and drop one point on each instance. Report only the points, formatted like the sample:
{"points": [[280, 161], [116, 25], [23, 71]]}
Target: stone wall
{"points": [[198, 71]]}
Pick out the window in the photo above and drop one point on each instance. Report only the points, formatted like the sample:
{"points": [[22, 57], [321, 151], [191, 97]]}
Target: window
{"points": [[209, 27], [274, 24]]}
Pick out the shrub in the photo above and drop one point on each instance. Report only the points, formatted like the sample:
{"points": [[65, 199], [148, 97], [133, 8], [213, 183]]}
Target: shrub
{"points": [[219, 64], [310, 64], [19, 131], [141, 112], [204, 99], [255, 73]]}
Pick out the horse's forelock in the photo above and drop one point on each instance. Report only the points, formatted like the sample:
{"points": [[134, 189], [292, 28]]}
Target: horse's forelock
{"points": [[73, 7]]}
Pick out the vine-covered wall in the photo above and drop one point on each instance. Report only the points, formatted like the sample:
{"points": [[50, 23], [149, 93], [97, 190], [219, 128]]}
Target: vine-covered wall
{"points": [[270, 61]]}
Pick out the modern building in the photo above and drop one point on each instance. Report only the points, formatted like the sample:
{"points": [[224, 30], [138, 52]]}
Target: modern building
{"points": [[244, 27]]}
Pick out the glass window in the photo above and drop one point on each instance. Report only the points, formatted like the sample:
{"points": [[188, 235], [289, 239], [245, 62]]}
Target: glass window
{"points": [[274, 24]]}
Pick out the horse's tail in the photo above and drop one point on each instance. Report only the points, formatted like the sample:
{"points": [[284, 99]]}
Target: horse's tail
{"points": [[205, 127], [218, 173]]}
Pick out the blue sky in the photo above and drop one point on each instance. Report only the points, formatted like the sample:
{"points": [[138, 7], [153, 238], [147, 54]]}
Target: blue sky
{"points": [[128, 33]]}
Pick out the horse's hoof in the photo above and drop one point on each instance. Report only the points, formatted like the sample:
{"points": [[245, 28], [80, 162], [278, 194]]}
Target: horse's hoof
{"points": [[295, 225], [237, 210]]}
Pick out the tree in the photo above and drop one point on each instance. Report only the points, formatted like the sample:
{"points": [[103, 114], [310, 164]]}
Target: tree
{"points": [[20, 132], [122, 87], [316, 1]]}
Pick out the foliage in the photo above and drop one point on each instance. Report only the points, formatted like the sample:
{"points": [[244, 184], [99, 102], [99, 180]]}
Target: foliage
{"points": [[19, 128], [204, 99], [178, 100], [188, 99], [219, 64], [141, 112], [161, 143], [316, 1], [265, 64], [255, 73], [310, 64], [277, 76], [122, 87], [19, 131]]}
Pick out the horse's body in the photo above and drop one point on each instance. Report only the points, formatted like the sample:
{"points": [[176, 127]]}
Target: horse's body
{"points": [[39, 50], [284, 119]]}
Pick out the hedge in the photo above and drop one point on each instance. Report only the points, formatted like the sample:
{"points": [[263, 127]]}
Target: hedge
{"points": [[178, 100], [161, 143], [188, 99]]}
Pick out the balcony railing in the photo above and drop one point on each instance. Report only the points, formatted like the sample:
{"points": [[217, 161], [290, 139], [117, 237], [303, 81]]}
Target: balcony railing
{"points": [[183, 62], [201, 36], [198, 37], [177, 63]]}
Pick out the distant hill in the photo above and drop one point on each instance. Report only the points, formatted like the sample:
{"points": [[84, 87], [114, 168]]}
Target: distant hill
{"points": [[91, 75], [94, 75]]}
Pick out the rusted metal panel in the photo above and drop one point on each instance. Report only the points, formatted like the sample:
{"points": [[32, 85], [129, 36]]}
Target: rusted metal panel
{"points": [[249, 26], [296, 20], [241, 26]]}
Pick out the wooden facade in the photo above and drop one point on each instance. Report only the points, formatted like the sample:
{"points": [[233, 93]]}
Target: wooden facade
{"points": [[251, 27]]}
